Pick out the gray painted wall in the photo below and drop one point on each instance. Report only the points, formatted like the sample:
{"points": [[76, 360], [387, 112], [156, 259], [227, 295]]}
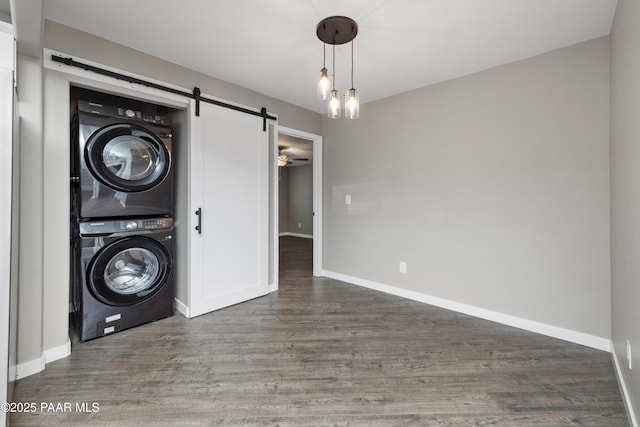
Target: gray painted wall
{"points": [[283, 200], [300, 217], [180, 132], [493, 188], [30, 300], [625, 197], [296, 200], [44, 271]]}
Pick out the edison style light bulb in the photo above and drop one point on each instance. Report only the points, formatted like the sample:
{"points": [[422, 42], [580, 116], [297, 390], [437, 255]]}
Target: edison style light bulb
{"points": [[352, 104], [324, 84], [333, 106]]}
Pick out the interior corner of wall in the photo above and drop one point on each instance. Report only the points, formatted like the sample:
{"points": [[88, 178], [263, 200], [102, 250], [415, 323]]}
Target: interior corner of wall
{"points": [[181, 307], [57, 353], [34, 366], [624, 387], [31, 367]]}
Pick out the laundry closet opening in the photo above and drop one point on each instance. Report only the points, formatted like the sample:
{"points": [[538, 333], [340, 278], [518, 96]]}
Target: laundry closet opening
{"points": [[123, 154]]}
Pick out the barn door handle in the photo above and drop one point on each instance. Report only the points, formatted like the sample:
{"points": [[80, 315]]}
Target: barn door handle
{"points": [[199, 226]]}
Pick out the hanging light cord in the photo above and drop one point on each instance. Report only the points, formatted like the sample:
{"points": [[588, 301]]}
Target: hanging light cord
{"points": [[324, 55], [351, 64], [334, 67]]}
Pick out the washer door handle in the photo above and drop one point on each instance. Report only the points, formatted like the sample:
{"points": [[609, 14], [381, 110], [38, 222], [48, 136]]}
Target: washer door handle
{"points": [[199, 226]]}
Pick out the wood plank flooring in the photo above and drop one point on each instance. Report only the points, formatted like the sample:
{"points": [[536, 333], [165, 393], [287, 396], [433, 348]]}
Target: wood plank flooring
{"points": [[324, 353]]}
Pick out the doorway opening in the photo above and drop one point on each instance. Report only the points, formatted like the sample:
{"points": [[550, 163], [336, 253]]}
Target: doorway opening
{"points": [[300, 189]]}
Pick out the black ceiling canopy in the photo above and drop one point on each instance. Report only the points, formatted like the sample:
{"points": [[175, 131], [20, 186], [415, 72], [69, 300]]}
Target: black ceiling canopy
{"points": [[337, 30]]}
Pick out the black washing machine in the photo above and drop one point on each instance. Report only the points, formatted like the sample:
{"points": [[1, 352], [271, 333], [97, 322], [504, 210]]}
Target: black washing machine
{"points": [[124, 274], [121, 162]]}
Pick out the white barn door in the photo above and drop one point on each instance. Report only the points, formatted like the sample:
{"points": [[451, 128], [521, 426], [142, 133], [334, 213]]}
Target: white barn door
{"points": [[229, 181]]}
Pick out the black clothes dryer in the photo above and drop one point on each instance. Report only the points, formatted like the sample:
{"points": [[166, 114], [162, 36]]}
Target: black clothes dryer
{"points": [[124, 274], [121, 162]]}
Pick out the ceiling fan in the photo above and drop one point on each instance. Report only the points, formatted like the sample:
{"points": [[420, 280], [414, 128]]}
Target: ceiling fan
{"points": [[285, 159]]}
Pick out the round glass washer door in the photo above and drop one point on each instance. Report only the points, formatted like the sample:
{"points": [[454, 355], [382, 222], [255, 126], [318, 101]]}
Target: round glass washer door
{"points": [[129, 271], [127, 157]]}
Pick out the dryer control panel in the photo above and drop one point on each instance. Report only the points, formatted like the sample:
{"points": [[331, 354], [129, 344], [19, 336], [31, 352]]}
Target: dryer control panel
{"points": [[133, 114], [123, 112]]}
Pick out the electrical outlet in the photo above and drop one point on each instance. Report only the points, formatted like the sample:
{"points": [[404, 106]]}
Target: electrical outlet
{"points": [[629, 359], [347, 199], [403, 267], [299, 225]]}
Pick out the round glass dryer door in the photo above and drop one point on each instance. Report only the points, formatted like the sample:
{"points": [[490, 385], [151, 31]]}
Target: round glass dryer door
{"points": [[128, 271], [127, 157]]}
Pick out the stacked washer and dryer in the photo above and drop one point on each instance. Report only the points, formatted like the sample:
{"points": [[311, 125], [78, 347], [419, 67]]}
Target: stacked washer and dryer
{"points": [[121, 217]]}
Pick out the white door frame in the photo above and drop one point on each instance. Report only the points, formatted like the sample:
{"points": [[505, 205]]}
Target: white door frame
{"points": [[317, 192], [7, 58]]}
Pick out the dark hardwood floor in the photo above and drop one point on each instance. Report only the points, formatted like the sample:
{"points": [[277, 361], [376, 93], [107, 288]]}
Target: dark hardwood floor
{"points": [[321, 353]]}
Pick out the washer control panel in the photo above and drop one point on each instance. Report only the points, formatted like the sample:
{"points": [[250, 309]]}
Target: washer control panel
{"points": [[146, 224], [124, 225]]}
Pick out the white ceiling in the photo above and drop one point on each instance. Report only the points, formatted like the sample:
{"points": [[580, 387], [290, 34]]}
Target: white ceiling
{"points": [[270, 46]]}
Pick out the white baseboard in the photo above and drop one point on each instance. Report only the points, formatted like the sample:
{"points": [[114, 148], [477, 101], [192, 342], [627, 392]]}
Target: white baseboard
{"points": [[31, 367], [494, 316], [181, 307], [304, 236], [37, 365], [631, 410], [57, 353]]}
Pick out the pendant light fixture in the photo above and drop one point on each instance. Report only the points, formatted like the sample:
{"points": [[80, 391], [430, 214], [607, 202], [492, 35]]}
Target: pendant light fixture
{"points": [[337, 30]]}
